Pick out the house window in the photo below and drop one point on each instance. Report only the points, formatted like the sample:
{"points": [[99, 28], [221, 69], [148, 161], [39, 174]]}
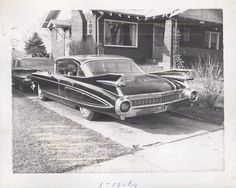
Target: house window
{"points": [[186, 34], [120, 34], [212, 40]]}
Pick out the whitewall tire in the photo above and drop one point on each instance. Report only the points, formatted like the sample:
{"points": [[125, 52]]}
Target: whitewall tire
{"points": [[41, 94], [87, 114]]}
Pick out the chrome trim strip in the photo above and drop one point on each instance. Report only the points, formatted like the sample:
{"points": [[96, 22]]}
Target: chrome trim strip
{"points": [[81, 91], [90, 95], [157, 94], [70, 86], [75, 101]]}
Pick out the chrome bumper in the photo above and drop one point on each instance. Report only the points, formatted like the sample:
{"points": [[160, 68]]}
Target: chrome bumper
{"points": [[149, 103]]}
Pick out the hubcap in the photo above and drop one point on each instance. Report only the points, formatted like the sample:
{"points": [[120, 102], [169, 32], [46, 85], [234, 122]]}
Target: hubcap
{"points": [[85, 111]]}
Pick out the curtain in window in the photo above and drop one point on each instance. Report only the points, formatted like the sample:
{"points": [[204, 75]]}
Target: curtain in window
{"points": [[120, 34]]}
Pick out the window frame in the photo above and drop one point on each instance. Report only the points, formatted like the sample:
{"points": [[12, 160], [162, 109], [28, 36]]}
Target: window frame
{"points": [[121, 46], [217, 39]]}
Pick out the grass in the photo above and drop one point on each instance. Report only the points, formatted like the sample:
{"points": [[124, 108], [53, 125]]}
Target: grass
{"points": [[44, 142]]}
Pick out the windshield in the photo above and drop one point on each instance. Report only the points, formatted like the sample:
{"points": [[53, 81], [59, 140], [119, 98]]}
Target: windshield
{"points": [[44, 64], [119, 66]]}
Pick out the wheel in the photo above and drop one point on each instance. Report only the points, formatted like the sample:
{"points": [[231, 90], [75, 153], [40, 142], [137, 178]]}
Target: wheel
{"points": [[21, 87], [88, 114], [41, 94]]}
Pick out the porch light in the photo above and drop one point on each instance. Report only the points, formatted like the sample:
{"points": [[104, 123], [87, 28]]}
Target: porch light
{"points": [[128, 16], [110, 14], [137, 17], [120, 15]]}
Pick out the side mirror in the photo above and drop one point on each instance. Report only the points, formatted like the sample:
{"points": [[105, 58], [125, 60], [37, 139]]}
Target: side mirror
{"points": [[49, 73]]}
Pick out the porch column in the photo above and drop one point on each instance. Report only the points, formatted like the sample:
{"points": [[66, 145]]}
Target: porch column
{"points": [[168, 45]]}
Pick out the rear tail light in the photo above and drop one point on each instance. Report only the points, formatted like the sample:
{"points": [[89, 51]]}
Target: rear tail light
{"points": [[125, 106], [193, 96], [122, 105]]}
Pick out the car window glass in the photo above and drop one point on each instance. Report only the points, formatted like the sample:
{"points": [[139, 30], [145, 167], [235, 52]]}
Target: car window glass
{"points": [[69, 67], [98, 67]]}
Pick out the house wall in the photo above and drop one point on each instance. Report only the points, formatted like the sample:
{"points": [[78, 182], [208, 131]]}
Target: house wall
{"points": [[145, 38], [57, 45], [76, 25], [190, 50]]}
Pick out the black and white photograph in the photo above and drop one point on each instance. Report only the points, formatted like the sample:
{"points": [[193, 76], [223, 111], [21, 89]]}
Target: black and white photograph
{"points": [[116, 90]]}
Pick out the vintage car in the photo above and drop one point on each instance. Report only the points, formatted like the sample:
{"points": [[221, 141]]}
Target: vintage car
{"points": [[22, 68], [112, 85]]}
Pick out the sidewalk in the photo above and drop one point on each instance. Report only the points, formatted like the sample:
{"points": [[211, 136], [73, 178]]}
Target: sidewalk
{"points": [[199, 153]]}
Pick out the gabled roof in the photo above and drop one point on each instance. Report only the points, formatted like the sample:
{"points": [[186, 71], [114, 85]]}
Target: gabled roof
{"points": [[52, 14], [208, 15], [60, 23]]}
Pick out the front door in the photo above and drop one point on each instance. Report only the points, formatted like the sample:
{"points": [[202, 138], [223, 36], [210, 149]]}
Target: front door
{"points": [[158, 42]]}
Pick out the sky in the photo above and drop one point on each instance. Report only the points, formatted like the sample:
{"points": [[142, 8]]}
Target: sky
{"points": [[19, 27], [19, 19]]}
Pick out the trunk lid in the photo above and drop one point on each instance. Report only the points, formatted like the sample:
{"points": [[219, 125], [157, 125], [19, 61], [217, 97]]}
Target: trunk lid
{"points": [[143, 84]]}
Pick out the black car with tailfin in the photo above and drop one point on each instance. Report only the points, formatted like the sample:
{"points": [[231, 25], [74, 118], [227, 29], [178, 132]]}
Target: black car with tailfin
{"points": [[112, 85]]}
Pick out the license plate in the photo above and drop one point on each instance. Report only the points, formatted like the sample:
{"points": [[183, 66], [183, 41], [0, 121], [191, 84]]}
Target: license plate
{"points": [[160, 108]]}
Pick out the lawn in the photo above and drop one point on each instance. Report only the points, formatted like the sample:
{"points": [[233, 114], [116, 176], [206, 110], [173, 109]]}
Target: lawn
{"points": [[45, 142]]}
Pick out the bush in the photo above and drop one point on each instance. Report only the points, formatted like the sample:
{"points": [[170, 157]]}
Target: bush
{"points": [[82, 47], [209, 78]]}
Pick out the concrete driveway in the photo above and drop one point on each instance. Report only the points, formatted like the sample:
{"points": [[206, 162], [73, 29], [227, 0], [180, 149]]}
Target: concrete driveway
{"points": [[167, 141], [139, 131]]}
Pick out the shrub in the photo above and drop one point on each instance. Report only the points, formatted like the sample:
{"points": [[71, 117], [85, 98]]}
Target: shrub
{"points": [[209, 78], [81, 47]]}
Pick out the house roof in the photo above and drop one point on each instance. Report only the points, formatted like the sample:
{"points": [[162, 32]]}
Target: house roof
{"points": [[52, 14], [209, 15], [146, 13], [61, 23]]}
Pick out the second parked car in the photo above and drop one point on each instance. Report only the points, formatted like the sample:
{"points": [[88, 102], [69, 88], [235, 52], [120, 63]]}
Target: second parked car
{"points": [[22, 68]]}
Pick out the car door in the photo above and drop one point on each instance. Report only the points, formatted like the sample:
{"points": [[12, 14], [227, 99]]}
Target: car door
{"points": [[72, 85], [67, 70]]}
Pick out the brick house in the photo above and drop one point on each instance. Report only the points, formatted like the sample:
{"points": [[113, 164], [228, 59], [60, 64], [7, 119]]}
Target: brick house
{"points": [[147, 36]]}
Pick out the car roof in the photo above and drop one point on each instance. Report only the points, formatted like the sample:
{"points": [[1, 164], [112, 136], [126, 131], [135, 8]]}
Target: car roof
{"points": [[32, 58], [83, 58]]}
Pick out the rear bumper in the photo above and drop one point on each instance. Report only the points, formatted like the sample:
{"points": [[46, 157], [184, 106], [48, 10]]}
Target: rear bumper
{"points": [[151, 103]]}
